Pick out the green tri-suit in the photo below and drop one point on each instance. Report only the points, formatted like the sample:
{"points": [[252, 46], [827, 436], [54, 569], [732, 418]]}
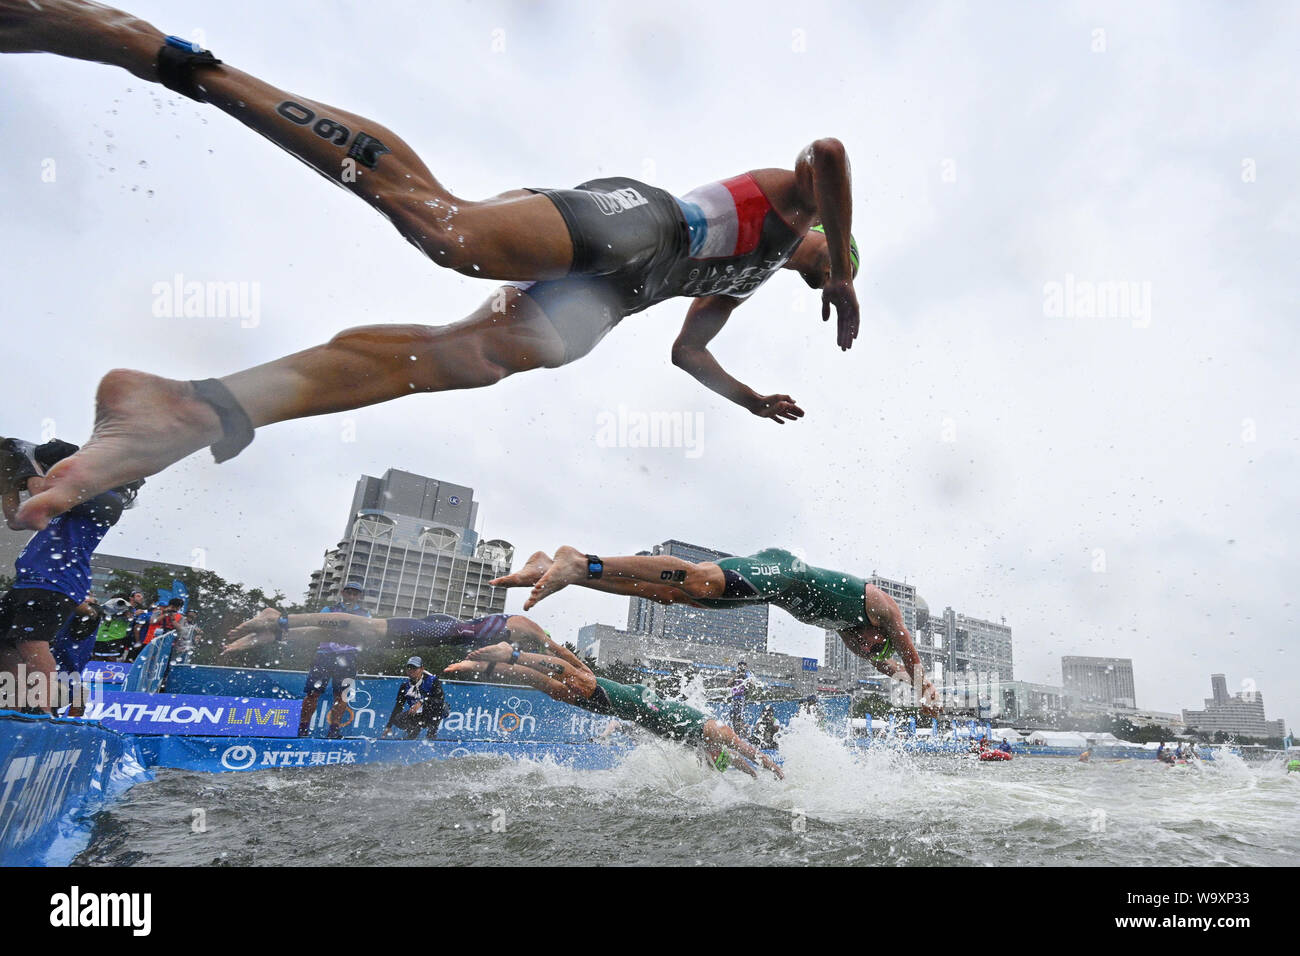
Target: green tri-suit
{"points": [[817, 596], [641, 705]]}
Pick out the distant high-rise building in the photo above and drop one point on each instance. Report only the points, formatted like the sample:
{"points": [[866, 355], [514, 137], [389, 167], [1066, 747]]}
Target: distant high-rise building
{"points": [[904, 594], [1241, 714], [744, 627], [1098, 683], [1219, 688], [717, 664], [988, 645], [409, 542], [953, 644]]}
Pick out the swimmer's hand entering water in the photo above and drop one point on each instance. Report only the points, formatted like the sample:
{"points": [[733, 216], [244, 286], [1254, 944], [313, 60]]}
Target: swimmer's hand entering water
{"points": [[838, 293]]}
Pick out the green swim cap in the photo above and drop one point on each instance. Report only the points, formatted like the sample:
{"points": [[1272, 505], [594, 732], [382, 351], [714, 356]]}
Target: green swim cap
{"points": [[886, 652], [723, 760], [853, 248]]}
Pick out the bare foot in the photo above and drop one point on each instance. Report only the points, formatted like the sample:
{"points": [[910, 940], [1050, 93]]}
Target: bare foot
{"points": [[143, 423], [569, 567], [81, 30], [498, 653], [468, 670], [526, 576]]}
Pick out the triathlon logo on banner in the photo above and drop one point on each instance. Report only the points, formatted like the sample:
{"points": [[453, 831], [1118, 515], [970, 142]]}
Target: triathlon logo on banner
{"points": [[105, 672], [196, 714]]}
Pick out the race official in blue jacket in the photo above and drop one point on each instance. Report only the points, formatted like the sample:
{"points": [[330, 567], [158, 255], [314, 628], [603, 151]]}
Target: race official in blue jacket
{"points": [[420, 704]]}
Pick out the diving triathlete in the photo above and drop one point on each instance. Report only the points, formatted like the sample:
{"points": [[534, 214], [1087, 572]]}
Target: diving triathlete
{"points": [[580, 260], [511, 648], [435, 630], [557, 673], [867, 619]]}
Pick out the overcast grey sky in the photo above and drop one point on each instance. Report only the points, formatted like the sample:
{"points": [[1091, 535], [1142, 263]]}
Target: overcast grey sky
{"points": [[1118, 484]]}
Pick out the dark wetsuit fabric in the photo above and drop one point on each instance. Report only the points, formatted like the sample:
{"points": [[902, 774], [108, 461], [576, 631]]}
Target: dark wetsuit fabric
{"points": [[827, 599], [639, 704], [626, 237], [635, 245], [438, 629]]}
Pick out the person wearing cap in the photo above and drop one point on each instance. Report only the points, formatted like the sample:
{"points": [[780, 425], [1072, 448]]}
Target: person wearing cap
{"points": [[187, 636], [335, 663], [137, 625], [420, 704], [766, 729], [112, 640], [350, 603], [736, 694]]}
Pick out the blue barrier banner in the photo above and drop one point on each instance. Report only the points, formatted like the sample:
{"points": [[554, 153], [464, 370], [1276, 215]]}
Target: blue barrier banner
{"points": [[150, 668], [105, 672], [223, 755], [476, 711], [832, 710], [54, 776], [195, 714]]}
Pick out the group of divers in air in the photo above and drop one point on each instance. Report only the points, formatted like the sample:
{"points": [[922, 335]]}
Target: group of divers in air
{"points": [[575, 263]]}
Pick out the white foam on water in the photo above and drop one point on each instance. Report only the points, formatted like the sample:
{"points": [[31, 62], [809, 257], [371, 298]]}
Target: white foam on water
{"points": [[877, 805]]}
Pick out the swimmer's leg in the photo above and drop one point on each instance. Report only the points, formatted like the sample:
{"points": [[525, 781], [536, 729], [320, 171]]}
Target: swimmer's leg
{"points": [[675, 580], [517, 674], [143, 423], [309, 702], [338, 710], [530, 636], [516, 236]]}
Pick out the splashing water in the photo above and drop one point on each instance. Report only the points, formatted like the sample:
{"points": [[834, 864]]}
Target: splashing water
{"points": [[660, 804]]}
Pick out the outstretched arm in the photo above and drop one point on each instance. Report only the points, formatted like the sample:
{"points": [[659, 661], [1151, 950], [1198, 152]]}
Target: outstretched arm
{"points": [[704, 320], [824, 182], [265, 627], [885, 621]]}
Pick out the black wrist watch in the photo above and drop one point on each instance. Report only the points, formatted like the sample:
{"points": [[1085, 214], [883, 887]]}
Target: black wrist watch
{"points": [[595, 566]]}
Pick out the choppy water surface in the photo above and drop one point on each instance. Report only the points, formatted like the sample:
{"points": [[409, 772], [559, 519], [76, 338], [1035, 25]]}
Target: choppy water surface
{"points": [[660, 806]]}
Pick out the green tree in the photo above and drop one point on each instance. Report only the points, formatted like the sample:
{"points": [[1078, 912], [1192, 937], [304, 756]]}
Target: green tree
{"points": [[876, 705], [218, 604]]}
